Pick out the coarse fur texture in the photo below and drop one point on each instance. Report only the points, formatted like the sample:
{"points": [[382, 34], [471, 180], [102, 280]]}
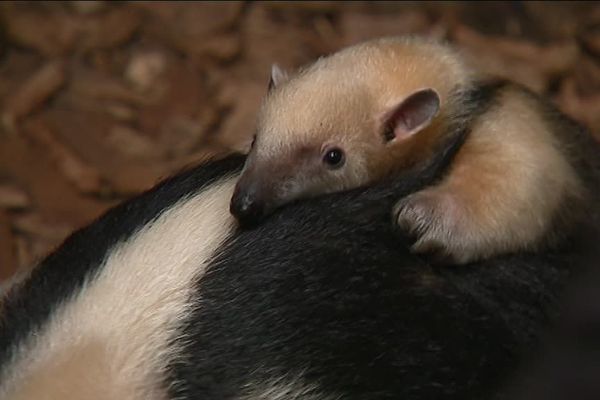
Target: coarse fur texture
{"points": [[568, 363], [514, 185], [318, 303], [338, 100], [94, 320], [517, 184], [332, 300]]}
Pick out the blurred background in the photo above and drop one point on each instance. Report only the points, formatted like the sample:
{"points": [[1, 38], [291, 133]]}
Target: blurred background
{"points": [[100, 100]]}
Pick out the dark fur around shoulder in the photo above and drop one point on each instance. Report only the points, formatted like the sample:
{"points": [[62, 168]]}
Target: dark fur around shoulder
{"points": [[325, 299], [568, 365], [64, 271], [323, 294]]}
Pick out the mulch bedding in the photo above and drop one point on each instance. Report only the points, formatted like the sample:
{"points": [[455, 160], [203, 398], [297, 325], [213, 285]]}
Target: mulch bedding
{"points": [[100, 100]]}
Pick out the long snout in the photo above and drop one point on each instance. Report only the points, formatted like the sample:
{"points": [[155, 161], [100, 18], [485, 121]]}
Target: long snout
{"points": [[248, 203], [259, 191]]}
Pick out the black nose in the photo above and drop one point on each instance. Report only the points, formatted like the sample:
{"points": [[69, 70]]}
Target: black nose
{"points": [[246, 208]]}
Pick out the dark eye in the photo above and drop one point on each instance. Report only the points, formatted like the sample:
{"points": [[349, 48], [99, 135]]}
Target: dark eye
{"points": [[334, 157]]}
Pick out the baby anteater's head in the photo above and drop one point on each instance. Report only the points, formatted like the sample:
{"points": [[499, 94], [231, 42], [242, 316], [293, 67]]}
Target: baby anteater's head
{"points": [[345, 121]]}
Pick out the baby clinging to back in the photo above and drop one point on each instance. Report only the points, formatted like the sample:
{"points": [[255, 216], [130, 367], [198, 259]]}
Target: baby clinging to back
{"points": [[382, 106]]}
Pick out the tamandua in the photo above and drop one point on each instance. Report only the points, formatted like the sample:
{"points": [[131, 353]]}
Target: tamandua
{"points": [[381, 106], [96, 318], [164, 298]]}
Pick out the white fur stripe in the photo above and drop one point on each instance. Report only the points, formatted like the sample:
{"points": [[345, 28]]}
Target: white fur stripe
{"points": [[110, 341], [287, 387]]}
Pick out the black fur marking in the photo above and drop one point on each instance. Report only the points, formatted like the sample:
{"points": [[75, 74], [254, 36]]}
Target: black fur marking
{"points": [[468, 104], [334, 297], [331, 294], [62, 273], [482, 94], [568, 365]]}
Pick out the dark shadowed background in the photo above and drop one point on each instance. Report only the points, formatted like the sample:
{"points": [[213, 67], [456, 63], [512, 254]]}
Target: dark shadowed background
{"points": [[100, 99]]}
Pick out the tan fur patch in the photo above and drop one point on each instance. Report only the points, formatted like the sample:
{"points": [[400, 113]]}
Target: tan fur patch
{"points": [[508, 187], [341, 101], [505, 190], [81, 371], [343, 95]]}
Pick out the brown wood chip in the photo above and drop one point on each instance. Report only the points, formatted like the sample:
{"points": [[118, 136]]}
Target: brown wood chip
{"points": [[8, 261], [13, 197], [110, 97], [84, 177], [33, 93]]}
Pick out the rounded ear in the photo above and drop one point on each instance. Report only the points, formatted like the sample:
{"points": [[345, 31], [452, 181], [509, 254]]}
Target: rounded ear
{"points": [[412, 114], [278, 76]]}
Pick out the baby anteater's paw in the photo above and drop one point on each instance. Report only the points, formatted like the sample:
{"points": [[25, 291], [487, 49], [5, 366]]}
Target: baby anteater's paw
{"points": [[440, 226]]}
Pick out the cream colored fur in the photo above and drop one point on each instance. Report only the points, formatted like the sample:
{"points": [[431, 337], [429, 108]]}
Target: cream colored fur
{"points": [[506, 189], [287, 387], [110, 341], [341, 99]]}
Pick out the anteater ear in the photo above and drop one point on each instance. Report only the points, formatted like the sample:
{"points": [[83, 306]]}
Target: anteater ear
{"points": [[411, 115], [278, 76]]}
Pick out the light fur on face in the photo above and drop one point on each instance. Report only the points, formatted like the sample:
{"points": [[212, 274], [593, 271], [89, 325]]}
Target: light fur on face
{"points": [[340, 101], [508, 189]]}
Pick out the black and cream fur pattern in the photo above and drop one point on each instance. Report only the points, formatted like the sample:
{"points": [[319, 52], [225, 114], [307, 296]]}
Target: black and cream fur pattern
{"points": [[379, 107], [164, 298], [95, 319]]}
